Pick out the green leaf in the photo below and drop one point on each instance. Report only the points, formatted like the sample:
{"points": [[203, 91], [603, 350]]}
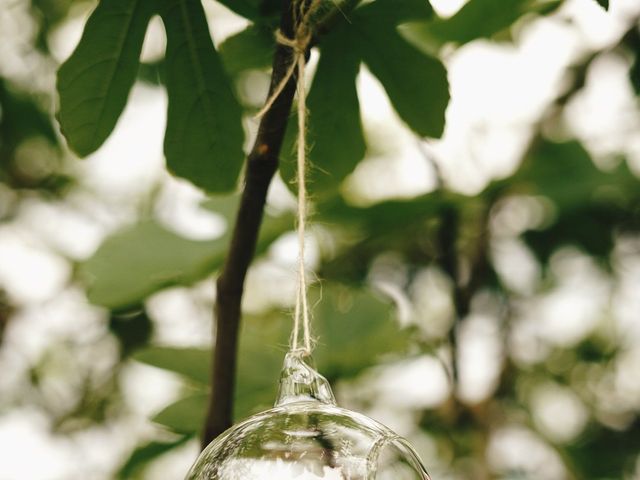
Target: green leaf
{"points": [[250, 49], [184, 416], [203, 141], [94, 82], [152, 73], [244, 8], [145, 454], [631, 40], [262, 346], [133, 329], [476, 19], [565, 173], [192, 363], [396, 11], [545, 7], [604, 4], [21, 118], [389, 215], [354, 329], [591, 227], [267, 12], [415, 82], [335, 137], [591, 204], [602, 452], [634, 75], [144, 258], [407, 225], [254, 10]]}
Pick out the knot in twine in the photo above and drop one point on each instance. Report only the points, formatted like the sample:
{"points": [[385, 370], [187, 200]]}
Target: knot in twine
{"points": [[299, 44], [301, 336]]}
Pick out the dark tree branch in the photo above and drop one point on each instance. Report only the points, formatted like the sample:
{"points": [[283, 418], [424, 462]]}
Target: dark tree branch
{"points": [[262, 164], [447, 241], [6, 310], [479, 269]]}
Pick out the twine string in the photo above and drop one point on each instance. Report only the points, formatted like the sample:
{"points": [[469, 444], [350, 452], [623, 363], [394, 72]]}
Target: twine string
{"points": [[301, 300], [299, 44]]}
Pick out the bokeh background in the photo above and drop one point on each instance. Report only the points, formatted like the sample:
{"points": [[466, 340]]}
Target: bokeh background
{"points": [[479, 293]]}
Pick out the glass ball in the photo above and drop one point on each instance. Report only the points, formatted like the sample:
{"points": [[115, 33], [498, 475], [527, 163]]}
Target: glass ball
{"points": [[307, 437]]}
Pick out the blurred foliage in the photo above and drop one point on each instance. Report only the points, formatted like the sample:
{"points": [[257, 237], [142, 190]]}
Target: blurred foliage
{"points": [[581, 206], [358, 332], [147, 257], [133, 329], [25, 126], [464, 26], [203, 118], [144, 454], [632, 42], [590, 210]]}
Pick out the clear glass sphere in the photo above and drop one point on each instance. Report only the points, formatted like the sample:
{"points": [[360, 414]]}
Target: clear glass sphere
{"points": [[307, 437]]}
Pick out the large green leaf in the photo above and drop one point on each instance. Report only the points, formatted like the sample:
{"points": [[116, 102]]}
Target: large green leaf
{"points": [[593, 227], [395, 11], [142, 259], [388, 215], [203, 141], [631, 41], [255, 10], [565, 173], [250, 49], [354, 330], [476, 19], [185, 416], [335, 137], [246, 8], [402, 225], [591, 204], [94, 82], [259, 362], [262, 345], [602, 452], [268, 11], [132, 328], [145, 454], [145, 258], [192, 363], [21, 118], [415, 82]]}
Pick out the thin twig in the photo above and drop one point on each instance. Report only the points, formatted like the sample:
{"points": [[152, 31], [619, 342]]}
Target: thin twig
{"points": [[447, 241]]}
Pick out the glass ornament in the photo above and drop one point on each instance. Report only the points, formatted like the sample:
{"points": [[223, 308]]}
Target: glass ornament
{"points": [[306, 436]]}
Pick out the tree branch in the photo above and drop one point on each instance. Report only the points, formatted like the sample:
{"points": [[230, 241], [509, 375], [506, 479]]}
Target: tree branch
{"points": [[447, 242], [262, 164]]}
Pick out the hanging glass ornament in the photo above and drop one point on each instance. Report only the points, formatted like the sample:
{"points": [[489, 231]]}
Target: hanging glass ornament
{"points": [[306, 436]]}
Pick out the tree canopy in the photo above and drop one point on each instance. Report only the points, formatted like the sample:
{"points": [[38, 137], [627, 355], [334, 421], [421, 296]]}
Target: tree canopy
{"points": [[492, 302]]}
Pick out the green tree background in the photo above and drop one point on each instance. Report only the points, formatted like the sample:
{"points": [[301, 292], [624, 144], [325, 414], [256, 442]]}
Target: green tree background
{"points": [[479, 277]]}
